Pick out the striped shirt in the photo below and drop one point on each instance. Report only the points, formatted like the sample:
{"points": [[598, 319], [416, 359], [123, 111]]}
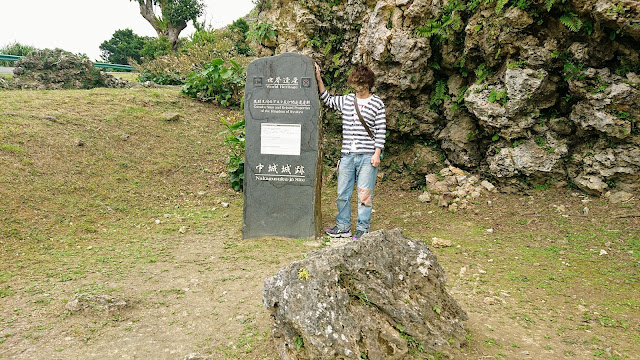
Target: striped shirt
{"points": [[354, 135]]}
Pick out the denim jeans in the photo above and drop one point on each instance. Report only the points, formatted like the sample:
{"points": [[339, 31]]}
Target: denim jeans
{"points": [[355, 168]]}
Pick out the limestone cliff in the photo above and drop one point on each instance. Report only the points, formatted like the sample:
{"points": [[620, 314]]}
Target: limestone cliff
{"points": [[523, 91]]}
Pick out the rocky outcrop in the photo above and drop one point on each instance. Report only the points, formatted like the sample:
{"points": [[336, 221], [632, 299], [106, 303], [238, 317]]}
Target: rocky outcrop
{"points": [[380, 297], [454, 189], [58, 69], [487, 81]]}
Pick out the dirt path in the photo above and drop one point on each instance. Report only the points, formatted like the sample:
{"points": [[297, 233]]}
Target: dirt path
{"points": [[201, 294]]}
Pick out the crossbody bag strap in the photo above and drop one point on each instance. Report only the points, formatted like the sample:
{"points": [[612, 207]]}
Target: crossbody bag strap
{"points": [[355, 101]]}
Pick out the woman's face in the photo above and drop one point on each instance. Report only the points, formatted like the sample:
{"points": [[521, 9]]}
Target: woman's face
{"points": [[359, 87]]}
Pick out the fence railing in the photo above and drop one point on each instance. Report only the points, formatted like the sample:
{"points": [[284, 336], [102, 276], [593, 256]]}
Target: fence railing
{"points": [[9, 57], [96, 64]]}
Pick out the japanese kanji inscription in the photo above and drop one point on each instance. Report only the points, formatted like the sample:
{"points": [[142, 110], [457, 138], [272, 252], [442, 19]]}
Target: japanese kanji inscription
{"points": [[282, 149]]}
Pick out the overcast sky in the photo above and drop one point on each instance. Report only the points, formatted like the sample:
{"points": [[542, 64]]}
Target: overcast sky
{"points": [[80, 26]]}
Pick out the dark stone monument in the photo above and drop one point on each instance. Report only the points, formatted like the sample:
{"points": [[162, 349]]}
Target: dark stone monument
{"points": [[282, 149]]}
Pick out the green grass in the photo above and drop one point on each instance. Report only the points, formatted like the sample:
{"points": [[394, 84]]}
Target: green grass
{"points": [[86, 209]]}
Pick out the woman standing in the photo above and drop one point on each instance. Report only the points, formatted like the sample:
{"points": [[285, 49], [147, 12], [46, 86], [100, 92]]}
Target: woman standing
{"points": [[364, 129]]}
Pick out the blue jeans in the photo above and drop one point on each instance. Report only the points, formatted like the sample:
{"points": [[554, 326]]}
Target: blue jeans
{"points": [[354, 168]]}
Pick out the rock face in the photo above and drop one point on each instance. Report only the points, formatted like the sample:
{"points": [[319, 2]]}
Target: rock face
{"points": [[380, 297], [58, 69], [510, 89]]}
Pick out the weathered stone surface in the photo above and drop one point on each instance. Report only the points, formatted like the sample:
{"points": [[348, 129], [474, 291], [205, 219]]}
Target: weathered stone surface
{"points": [[619, 197], [527, 92], [549, 76], [382, 297], [59, 69], [85, 301], [541, 155], [595, 165], [608, 104], [458, 140], [282, 153]]}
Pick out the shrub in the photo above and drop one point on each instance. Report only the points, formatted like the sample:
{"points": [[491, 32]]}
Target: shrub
{"points": [[16, 49], [262, 33], [173, 68], [235, 162], [155, 47], [217, 83]]}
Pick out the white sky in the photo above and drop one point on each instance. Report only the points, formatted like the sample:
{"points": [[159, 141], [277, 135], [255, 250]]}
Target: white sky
{"points": [[80, 26]]}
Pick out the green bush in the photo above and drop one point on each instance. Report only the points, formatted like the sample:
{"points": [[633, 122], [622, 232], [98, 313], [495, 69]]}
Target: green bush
{"points": [[235, 140], [16, 49], [262, 33], [155, 47], [217, 83], [238, 31]]}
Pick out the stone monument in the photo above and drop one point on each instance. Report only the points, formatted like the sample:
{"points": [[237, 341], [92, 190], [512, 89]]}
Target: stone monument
{"points": [[282, 149]]}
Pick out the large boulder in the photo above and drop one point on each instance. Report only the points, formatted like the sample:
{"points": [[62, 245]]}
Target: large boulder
{"points": [[380, 297]]}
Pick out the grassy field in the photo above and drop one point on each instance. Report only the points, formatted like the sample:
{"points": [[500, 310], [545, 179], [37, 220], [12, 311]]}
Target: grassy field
{"points": [[102, 195]]}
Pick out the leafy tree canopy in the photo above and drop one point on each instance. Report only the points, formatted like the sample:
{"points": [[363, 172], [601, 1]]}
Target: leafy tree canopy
{"points": [[170, 17], [124, 44]]}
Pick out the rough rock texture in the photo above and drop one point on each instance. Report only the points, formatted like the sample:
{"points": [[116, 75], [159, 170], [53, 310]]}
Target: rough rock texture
{"points": [[485, 81], [84, 301], [454, 188], [58, 69], [382, 297]]}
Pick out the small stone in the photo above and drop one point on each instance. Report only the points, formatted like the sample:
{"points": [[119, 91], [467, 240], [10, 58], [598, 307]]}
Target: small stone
{"points": [[490, 231], [585, 210], [560, 208], [487, 185], [620, 196], [439, 243], [124, 137], [172, 116], [489, 202], [195, 356], [224, 205], [463, 270], [425, 197], [182, 229], [157, 221], [166, 216], [84, 301], [603, 252], [431, 179], [490, 300]]}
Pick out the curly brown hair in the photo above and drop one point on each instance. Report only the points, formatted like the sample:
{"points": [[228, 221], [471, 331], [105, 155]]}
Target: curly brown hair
{"points": [[361, 76]]}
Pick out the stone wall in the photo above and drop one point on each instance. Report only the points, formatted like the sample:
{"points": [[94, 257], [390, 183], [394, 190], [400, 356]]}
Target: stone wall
{"points": [[524, 92]]}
